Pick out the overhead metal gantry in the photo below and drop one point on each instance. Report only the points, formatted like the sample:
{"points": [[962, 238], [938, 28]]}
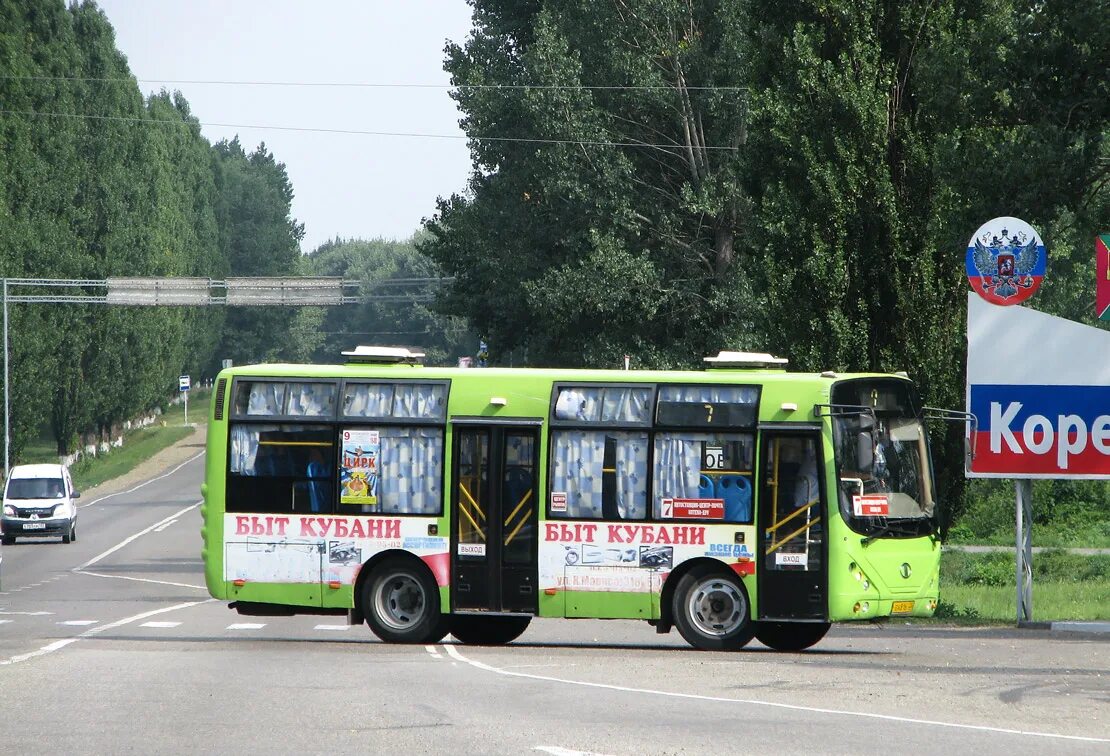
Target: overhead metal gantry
{"points": [[200, 292]]}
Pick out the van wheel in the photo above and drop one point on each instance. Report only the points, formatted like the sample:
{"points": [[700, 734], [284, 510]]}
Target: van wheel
{"points": [[477, 630], [7, 540], [401, 603], [790, 636], [73, 533], [69, 537], [712, 611]]}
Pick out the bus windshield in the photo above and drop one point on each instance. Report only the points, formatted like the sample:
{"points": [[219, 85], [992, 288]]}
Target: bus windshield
{"points": [[882, 456]]}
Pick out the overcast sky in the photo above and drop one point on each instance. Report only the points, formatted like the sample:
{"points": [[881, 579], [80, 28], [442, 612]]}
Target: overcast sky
{"points": [[346, 185]]}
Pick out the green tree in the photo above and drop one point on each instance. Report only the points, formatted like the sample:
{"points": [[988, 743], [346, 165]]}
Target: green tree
{"points": [[390, 313], [258, 237], [601, 218]]}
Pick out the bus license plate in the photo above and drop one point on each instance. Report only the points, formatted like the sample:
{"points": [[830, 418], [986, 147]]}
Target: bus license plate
{"points": [[901, 607]]}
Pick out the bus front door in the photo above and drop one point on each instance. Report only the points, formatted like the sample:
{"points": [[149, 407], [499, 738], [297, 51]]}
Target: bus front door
{"points": [[493, 512], [793, 576]]}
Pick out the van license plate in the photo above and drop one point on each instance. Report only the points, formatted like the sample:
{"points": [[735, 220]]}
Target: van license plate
{"points": [[901, 607], [34, 526]]}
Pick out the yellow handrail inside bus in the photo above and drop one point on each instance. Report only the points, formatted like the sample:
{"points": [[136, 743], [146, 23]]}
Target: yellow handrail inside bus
{"points": [[776, 546], [294, 443], [466, 493], [477, 528], [523, 499], [791, 516]]}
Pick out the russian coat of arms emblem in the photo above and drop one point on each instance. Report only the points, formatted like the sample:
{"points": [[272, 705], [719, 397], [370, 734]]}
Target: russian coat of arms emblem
{"points": [[1006, 261]]}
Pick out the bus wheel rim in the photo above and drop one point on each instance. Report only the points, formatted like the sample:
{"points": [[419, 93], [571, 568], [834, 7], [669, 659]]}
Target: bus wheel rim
{"points": [[717, 608], [400, 601]]}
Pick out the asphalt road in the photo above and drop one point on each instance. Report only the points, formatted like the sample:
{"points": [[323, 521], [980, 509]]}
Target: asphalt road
{"points": [[111, 645]]}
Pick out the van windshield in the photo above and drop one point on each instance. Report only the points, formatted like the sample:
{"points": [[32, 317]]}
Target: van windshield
{"points": [[35, 488]]}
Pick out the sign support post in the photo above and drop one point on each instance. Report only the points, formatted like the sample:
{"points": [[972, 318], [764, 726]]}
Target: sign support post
{"points": [[1023, 518]]}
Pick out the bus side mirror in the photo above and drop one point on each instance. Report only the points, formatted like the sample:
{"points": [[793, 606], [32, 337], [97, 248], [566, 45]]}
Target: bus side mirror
{"points": [[865, 455]]}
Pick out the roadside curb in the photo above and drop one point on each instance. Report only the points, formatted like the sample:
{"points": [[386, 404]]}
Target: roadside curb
{"points": [[1069, 626], [1100, 628]]}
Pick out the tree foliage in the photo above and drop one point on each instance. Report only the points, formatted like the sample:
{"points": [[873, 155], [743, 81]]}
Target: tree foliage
{"points": [[98, 181], [389, 313], [870, 140]]}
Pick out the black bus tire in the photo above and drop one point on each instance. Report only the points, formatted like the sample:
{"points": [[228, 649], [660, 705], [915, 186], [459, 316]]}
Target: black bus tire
{"points": [[401, 603], [479, 630], [712, 611], [790, 636]]}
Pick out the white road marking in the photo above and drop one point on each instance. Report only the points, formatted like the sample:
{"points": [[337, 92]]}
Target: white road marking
{"points": [[95, 630], [131, 538], [163, 527], [79, 623], [160, 624], [432, 650], [145, 483], [557, 751], [452, 651], [142, 580], [28, 614], [4, 621], [246, 626], [332, 627]]}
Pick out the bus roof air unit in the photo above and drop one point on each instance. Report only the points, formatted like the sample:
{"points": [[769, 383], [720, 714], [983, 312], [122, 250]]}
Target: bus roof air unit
{"points": [[746, 361], [384, 355]]}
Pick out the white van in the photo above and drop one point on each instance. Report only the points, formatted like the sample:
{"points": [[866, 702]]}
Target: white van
{"points": [[39, 501]]}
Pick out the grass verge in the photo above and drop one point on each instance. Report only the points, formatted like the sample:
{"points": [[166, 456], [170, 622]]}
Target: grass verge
{"points": [[138, 445], [1052, 600], [1066, 586]]}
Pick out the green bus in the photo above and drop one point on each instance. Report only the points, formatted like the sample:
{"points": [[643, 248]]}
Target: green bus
{"points": [[736, 502]]}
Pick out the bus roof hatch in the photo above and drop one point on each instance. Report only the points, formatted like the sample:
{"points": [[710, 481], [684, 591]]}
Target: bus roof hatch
{"points": [[384, 355], [747, 360]]}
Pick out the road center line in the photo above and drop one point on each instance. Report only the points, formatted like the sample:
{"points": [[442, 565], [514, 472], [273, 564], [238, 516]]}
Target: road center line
{"points": [[96, 630], [131, 538], [144, 483], [79, 571], [454, 653]]}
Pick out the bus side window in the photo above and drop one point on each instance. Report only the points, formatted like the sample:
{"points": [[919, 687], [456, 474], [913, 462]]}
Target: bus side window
{"points": [[602, 473], [281, 469]]}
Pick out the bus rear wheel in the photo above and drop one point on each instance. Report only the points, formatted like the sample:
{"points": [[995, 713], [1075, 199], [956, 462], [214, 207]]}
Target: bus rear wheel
{"points": [[712, 611], [401, 604], [478, 630], [790, 636]]}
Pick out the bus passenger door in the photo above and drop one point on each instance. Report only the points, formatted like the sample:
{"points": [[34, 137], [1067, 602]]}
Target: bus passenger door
{"points": [[793, 576], [493, 508]]}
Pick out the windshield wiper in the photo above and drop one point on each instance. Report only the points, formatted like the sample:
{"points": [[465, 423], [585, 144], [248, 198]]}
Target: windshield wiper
{"points": [[896, 528]]}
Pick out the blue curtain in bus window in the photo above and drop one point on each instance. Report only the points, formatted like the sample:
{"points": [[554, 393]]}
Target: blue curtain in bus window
{"points": [[368, 400], [678, 459], [311, 400], [520, 452], [418, 400], [721, 394], [400, 400], [411, 470], [606, 404], [266, 398], [579, 471], [244, 447]]}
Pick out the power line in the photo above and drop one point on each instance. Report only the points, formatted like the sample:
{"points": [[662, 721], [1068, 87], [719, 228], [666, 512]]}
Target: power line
{"points": [[375, 85], [357, 132]]}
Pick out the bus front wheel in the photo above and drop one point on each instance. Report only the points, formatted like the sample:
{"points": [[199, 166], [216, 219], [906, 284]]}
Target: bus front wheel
{"points": [[401, 604], [712, 611], [790, 636], [478, 630]]}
